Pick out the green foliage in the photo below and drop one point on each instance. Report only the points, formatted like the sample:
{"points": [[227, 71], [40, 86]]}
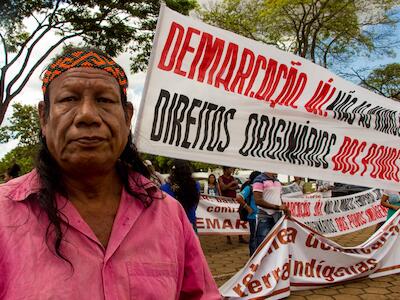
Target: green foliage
{"points": [[318, 30], [385, 81], [22, 155], [112, 26], [108, 25], [24, 125]]}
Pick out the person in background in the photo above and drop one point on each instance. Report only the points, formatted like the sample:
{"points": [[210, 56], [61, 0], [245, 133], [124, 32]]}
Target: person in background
{"points": [[181, 185], [12, 172], [246, 198], [299, 181], [228, 186], [390, 200], [212, 187], [156, 177], [87, 223], [267, 194]]}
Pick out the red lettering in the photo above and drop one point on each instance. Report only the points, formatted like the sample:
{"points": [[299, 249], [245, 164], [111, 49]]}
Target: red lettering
{"points": [[175, 29], [341, 223], [345, 159], [261, 62], [241, 73], [254, 286], [314, 105], [227, 224], [282, 73], [268, 78], [230, 59], [289, 94], [212, 224], [212, 53], [185, 48], [367, 160]]}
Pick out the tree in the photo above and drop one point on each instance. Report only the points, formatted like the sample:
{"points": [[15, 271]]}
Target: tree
{"points": [[25, 126], [114, 26], [384, 80], [24, 156], [318, 30]]}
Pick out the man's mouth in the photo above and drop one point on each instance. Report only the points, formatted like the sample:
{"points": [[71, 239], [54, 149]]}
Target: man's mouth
{"points": [[89, 140]]}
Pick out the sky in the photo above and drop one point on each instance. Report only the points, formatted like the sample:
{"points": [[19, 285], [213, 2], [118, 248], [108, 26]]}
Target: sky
{"points": [[32, 93]]}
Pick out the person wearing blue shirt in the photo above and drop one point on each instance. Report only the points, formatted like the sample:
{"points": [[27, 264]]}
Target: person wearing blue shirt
{"points": [[246, 198]]}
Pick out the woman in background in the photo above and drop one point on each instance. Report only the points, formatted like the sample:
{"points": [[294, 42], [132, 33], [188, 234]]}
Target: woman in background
{"points": [[181, 185], [212, 187]]}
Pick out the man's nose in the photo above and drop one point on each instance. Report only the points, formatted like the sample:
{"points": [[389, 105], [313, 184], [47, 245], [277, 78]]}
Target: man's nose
{"points": [[88, 113]]}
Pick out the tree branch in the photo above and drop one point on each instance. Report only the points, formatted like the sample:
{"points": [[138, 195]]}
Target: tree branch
{"points": [[26, 60], [364, 82], [38, 28], [39, 23], [4, 49], [54, 12], [3, 69], [44, 56], [326, 51], [24, 44]]}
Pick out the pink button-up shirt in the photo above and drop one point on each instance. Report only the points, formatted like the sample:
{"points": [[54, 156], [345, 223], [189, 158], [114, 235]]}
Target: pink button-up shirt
{"points": [[152, 253]]}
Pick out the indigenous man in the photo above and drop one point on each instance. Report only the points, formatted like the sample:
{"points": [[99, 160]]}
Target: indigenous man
{"points": [[87, 223]]}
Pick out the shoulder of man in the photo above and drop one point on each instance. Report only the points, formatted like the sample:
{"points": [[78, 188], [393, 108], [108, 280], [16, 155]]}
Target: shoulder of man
{"points": [[20, 188], [155, 197], [260, 178]]}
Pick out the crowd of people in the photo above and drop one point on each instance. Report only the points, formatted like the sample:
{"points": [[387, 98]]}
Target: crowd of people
{"points": [[109, 230], [260, 195]]}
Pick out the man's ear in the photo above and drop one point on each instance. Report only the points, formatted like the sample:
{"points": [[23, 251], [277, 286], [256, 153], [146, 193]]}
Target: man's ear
{"points": [[42, 117], [129, 113]]}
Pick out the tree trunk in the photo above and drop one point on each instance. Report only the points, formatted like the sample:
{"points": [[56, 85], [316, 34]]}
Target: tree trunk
{"points": [[3, 109]]}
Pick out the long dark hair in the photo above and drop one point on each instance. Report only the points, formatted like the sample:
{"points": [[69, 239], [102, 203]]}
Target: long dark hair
{"points": [[252, 176], [50, 173], [183, 184], [215, 179]]}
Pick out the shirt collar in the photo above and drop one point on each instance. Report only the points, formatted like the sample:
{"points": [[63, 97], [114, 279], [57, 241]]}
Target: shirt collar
{"points": [[22, 187]]}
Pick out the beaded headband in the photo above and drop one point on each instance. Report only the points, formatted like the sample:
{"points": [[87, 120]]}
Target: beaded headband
{"points": [[84, 59]]}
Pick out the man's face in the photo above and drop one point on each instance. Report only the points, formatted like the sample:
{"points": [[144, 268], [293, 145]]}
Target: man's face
{"points": [[229, 171], [86, 125]]}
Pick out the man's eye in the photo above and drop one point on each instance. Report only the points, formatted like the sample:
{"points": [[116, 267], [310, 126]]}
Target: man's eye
{"points": [[68, 99], [104, 100]]}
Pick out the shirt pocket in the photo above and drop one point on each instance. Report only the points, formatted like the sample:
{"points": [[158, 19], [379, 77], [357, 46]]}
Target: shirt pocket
{"points": [[152, 280]]}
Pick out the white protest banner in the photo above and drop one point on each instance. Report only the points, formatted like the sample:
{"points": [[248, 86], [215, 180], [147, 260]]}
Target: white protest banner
{"points": [[219, 215], [339, 215], [293, 257], [217, 97], [292, 190]]}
